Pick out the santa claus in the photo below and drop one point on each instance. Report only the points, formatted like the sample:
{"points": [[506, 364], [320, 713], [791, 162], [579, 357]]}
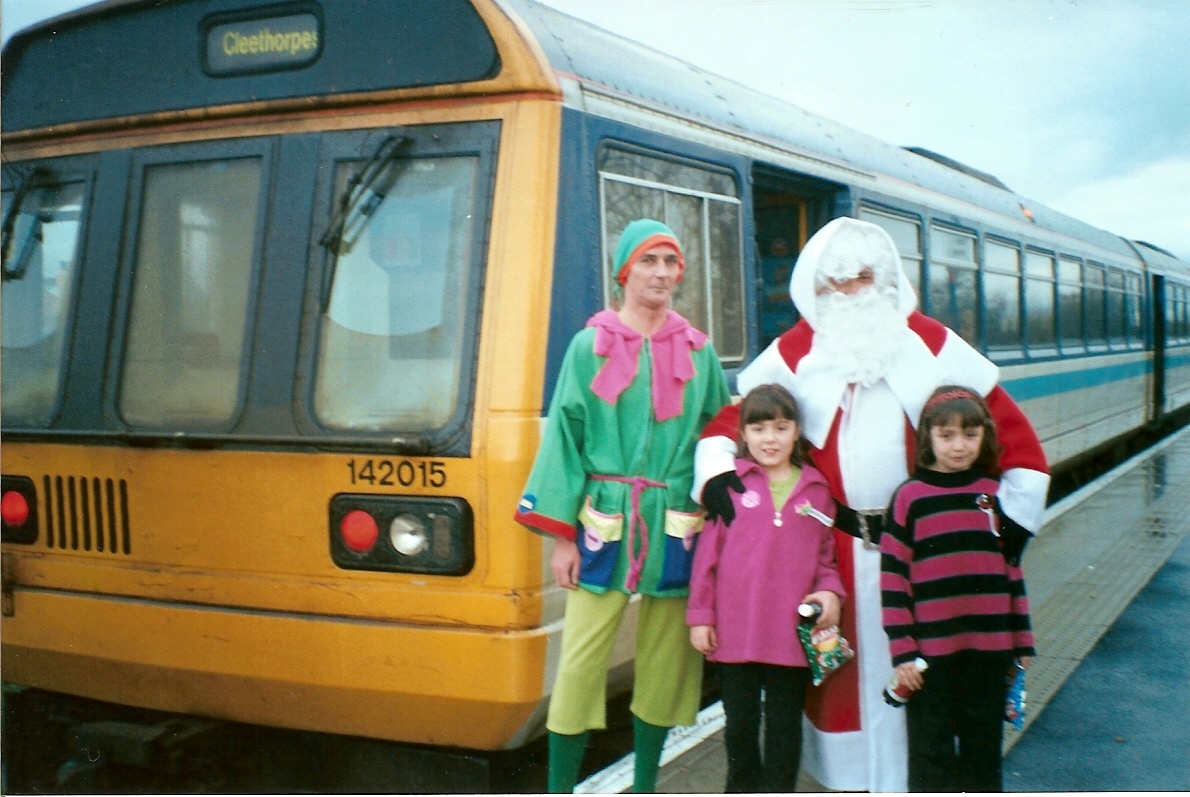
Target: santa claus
{"points": [[861, 363]]}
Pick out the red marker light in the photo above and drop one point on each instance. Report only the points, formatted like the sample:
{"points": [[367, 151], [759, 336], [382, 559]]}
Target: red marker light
{"points": [[14, 509], [359, 530]]}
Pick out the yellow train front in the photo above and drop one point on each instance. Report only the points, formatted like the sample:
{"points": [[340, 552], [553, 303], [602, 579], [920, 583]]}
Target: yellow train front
{"points": [[274, 285]]}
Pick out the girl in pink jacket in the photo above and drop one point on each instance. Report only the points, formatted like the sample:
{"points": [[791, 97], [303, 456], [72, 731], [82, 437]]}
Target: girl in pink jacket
{"points": [[749, 579]]}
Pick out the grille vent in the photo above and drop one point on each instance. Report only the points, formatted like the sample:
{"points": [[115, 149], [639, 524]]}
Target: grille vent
{"points": [[87, 514]]}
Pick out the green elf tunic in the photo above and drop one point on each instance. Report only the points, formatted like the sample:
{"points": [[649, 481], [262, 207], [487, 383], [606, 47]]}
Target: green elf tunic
{"points": [[616, 461]]}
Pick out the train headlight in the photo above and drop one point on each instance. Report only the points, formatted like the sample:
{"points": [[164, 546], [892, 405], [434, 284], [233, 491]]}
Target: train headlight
{"points": [[424, 535], [408, 535], [18, 509]]}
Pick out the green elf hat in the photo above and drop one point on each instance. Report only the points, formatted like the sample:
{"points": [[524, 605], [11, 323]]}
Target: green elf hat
{"points": [[637, 238]]}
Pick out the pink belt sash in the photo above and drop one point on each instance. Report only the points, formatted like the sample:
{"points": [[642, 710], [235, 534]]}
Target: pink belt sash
{"points": [[636, 524]]}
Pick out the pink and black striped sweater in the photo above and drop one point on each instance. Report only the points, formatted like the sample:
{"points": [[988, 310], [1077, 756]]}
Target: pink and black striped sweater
{"points": [[945, 586]]}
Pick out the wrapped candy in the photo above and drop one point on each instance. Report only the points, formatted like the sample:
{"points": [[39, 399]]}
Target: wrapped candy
{"points": [[1014, 704], [826, 649]]}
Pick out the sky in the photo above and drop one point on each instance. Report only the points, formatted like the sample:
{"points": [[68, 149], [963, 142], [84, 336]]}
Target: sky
{"points": [[1081, 105]]}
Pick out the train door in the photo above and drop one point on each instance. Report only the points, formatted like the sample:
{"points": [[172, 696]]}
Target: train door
{"points": [[1157, 311], [788, 208]]}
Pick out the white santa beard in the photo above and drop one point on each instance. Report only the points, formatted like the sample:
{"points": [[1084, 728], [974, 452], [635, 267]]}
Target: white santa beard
{"points": [[859, 334]]}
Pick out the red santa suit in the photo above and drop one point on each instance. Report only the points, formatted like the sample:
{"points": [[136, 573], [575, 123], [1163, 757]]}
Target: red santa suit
{"points": [[863, 439]]}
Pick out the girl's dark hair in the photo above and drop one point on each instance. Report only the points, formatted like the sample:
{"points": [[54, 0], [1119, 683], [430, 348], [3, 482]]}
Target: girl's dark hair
{"points": [[768, 403], [954, 401]]}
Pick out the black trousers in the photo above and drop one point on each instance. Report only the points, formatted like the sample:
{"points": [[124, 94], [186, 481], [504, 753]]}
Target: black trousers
{"points": [[956, 724], [740, 687]]}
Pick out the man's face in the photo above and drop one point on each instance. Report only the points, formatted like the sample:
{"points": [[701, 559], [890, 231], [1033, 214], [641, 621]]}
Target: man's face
{"points": [[851, 286], [653, 277]]}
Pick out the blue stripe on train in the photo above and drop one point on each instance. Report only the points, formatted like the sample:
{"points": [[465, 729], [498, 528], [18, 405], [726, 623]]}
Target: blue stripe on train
{"points": [[1042, 385]]}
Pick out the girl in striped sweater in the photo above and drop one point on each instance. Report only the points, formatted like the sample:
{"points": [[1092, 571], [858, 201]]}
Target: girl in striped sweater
{"points": [[951, 597]]}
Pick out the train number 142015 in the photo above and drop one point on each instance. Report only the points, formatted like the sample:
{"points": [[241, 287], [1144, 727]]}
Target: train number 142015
{"points": [[403, 473]]}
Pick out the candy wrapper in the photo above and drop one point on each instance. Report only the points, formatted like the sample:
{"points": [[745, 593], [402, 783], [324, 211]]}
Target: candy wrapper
{"points": [[826, 650], [1014, 705]]}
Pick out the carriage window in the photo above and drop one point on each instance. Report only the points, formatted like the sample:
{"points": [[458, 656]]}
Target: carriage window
{"points": [[1039, 302], [390, 354], [906, 234], [191, 279], [1134, 311], [1096, 280], [1002, 298], [702, 207], [1175, 313], [1070, 304], [1116, 308], [40, 267], [953, 297]]}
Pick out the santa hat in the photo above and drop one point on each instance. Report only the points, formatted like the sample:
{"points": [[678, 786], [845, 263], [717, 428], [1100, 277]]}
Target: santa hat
{"points": [[639, 237], [840, 250]]}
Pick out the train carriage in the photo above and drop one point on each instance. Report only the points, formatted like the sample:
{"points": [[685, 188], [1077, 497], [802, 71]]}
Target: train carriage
{"points": [[286, 287]]}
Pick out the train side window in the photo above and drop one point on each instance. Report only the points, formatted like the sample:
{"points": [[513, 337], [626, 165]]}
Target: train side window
{"points": [[1177, 326], [40, 270], [906, 234], [1117, 333], [1134, 311], [953, 289], [1070, 304], [192, 279], [1002, 298], [702, 207], [1096, 282], [1039, 302]]}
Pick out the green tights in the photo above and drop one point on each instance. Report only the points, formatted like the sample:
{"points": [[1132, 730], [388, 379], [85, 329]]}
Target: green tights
{"points": [[566, 756]]}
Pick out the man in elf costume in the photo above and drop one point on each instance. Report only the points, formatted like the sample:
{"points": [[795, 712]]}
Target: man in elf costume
{"points": [[861, 362], [611, 483]]}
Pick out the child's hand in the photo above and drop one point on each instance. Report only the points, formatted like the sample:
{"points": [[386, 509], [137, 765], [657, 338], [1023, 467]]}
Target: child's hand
{"points": [[704, 639], [831, 611], [909, 675], [1025, 661]]}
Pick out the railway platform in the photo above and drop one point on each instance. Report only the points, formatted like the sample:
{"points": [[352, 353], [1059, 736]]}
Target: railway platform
{"points": [[1109, 686]]}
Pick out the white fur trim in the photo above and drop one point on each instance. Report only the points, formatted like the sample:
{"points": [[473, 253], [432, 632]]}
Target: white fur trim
{"points": [[1022, 496], [712, 456], [838, 234], [963, 365], [769, 368]]}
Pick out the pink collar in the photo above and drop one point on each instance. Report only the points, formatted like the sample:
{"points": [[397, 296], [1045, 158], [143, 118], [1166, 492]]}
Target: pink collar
{"points": [[670, 347]]}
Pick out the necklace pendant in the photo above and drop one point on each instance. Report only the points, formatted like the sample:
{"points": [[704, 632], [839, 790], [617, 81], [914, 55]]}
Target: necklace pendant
{"points": [[777, 520]]}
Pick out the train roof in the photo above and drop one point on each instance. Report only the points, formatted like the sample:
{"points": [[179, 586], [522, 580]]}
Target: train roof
{"points": [[528, 47], [606, 62]]}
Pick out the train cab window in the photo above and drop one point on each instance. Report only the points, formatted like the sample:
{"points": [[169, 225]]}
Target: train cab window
{"points": [[1070, 305], [1134, 311], [1096, 282], [41, 251], [906, 234], [1039, 303], [1002, 299], [393, 339], [702, 207], [192, 278], [952, 287], [1117, 332]]}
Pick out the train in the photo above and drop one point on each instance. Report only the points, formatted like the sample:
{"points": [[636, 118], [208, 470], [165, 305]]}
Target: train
{"points": [[286, 286]]}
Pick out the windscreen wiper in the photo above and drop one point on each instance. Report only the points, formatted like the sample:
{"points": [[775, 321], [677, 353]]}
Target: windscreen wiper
{"points": [[365, 191], [16, 270], [362, 195]]}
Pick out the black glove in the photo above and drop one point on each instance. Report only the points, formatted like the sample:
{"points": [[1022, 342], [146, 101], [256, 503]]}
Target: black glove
{"points": [[715, 498], [1014, 537]]}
